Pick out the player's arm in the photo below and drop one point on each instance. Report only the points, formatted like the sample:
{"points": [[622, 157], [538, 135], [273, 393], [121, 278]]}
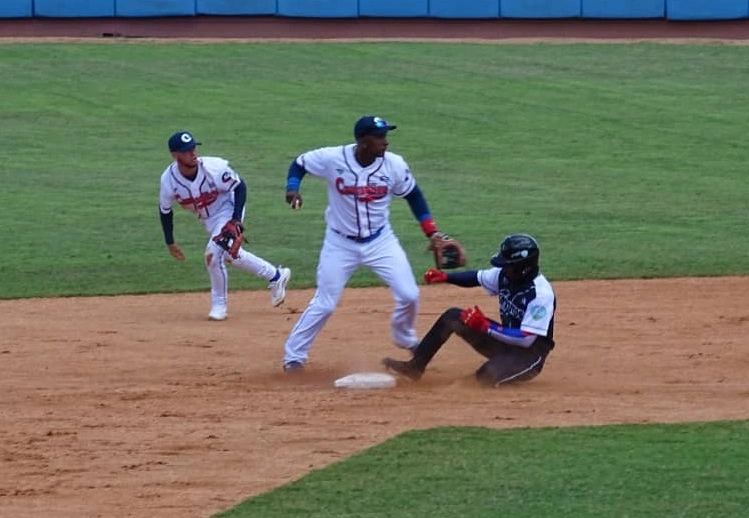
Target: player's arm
{"points": [[448, 252], [535, 324], [514, 337], [231, 182], [476, 320], [294, 183], [405, 186], [240, 200], [467, 279], [487, 279], [166, 216], [536, 320], [420, 209], [316, 162], [167, 226]]}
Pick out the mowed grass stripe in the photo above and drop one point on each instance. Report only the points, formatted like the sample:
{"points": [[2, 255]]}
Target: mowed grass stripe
{"points": [[685, 470], [624, 160]]}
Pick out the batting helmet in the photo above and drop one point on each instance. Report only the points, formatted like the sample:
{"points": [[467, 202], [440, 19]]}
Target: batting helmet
{"points": [[520, 252]]}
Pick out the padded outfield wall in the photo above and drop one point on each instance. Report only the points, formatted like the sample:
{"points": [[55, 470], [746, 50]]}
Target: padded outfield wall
{"points": [[453, 9]]}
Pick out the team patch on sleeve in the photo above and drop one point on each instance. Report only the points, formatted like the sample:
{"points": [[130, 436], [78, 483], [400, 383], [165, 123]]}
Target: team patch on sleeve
{"points": [[538, 316], [229, 179]]}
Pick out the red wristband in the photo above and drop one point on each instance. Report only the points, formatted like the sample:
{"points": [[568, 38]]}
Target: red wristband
{"points": [[429, 226]]}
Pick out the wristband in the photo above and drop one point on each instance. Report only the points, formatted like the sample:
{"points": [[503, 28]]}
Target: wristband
{"points": [[292, 184], [428, 226]]}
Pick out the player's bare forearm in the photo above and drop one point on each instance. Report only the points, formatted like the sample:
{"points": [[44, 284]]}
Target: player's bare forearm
{"points": [[176, 252]]}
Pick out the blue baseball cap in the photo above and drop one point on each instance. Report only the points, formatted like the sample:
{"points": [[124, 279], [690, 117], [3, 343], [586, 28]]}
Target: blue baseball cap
{"points": [[371, 125], [182, 141]]}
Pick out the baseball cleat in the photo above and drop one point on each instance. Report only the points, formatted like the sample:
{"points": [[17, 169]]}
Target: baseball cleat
{"points": [[403, 368], [278, 288], [408, 345], [217, 313], [293, 366], [409, 348]]}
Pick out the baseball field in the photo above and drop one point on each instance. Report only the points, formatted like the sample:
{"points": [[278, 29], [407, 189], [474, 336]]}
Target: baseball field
{"points": [[627, 162]]}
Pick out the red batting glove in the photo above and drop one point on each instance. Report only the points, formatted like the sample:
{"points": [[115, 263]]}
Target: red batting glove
{"points": [[475, 319], [433, 276]]}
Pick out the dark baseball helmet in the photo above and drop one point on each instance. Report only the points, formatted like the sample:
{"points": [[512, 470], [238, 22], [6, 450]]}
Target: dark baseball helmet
{"points": [[519, 251]]}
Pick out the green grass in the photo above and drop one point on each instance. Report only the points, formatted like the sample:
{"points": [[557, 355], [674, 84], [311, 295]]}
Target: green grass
{"points": [[623, 160], [695, 470]]}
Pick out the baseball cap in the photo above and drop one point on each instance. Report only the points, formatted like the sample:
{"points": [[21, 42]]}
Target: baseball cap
{"points": [[182, 141], [371, 125]]}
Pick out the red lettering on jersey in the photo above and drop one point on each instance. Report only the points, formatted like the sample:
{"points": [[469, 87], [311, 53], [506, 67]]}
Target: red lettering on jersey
{"points": [[365, 193], [199, 203]]}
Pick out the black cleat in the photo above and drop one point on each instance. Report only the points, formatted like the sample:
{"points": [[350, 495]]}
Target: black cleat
{"points": [[293, 367], [406, 369]]}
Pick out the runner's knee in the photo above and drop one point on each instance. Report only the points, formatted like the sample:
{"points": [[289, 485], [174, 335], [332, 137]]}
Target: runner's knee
{"points": [[451, 318], [496, 372]]}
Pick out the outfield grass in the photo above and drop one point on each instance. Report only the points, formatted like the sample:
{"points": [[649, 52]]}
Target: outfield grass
{"points": [[624, 160], [694, 470]]}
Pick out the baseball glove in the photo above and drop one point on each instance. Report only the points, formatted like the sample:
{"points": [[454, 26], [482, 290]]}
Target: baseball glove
{"points": [[448, 252], [231, 237]]}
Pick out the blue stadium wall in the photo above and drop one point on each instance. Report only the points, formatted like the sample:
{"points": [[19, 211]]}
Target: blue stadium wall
{"points": [[456, 9]]}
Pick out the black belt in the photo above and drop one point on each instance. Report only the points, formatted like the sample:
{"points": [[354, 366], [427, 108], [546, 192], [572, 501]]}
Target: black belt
{"points": [[359, 239]]}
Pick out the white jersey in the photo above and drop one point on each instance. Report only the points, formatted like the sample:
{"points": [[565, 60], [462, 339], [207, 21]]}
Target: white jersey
{"points": [[210, 195], [358, 197], [528, 307]]}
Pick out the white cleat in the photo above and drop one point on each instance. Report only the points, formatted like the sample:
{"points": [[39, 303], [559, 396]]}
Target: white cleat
{"points": [[217, 313], [278, 288]]}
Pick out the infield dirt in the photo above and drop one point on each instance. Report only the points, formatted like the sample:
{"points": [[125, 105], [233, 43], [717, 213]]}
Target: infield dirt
{"points": [[139, 406]]}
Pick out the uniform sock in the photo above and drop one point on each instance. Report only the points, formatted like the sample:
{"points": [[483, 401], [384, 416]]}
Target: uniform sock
{"points": [[276, 276]]}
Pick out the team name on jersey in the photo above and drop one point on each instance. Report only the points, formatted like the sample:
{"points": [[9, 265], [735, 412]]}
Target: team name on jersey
{"points": [[196, 204], [365, 193], [513, 305]]}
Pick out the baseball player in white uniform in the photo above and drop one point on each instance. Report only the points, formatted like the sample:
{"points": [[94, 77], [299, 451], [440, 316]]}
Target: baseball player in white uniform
{"points": [[362, 178], [209, 187]]}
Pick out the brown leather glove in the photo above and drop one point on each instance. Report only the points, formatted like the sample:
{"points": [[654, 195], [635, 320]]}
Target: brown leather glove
{"points": [[448, 252], [231, 237]]}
